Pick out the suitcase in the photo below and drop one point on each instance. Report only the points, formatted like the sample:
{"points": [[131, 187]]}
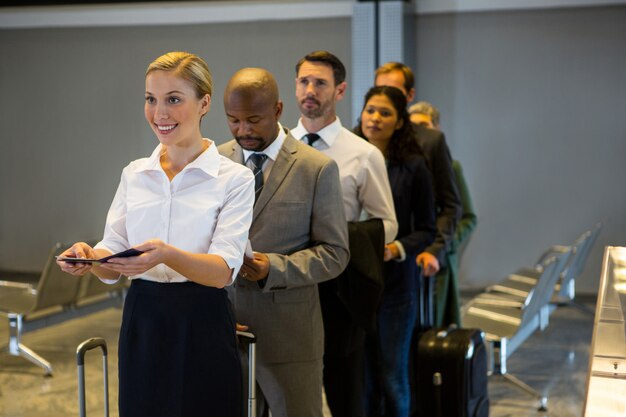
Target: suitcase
{"points": [[80, 361], [451, 372], [244, 337], [425, 322]]}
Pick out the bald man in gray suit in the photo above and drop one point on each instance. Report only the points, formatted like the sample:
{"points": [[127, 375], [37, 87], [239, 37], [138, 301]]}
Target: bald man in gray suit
{"points": [[300, 237]]}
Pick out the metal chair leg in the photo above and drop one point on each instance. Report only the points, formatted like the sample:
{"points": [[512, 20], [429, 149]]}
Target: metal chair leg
{"points": [[31, 356], [499, 349], [543, 400], [16, 348], [566, 297]]}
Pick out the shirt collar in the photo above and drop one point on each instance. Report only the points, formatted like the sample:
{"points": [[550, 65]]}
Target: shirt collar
{"points": [[208, 161], [272, 150], [327, 134]]}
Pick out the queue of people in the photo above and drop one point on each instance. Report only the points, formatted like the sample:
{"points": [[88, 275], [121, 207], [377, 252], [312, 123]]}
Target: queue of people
{"points": [[316, 239]]}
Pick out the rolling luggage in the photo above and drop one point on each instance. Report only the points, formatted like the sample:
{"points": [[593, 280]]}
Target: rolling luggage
{"points": [[451, 373], [250, 339], [80, 361], [425, 322], [244, 337]]}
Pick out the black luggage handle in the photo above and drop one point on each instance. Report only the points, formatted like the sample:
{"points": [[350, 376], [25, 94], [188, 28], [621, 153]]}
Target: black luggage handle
{"points": [[87, 345]]}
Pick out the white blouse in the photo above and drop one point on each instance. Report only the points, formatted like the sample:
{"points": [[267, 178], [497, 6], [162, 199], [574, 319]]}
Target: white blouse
{"points": [[206, 208]]}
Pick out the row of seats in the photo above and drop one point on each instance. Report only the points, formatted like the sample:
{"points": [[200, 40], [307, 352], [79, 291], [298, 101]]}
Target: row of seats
{"points": [[508, 312], [55, 294], [511, 311]]}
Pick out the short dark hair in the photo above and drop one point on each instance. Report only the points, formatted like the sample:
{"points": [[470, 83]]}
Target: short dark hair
{"points": [[403, 144], [339, 71], [409, 79]]}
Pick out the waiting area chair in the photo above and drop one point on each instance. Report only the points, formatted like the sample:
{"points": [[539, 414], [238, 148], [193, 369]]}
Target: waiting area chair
{"points": [[18, 300], [509, 320], [565, 290], [517, 285], [56, 296], [92, 289]]}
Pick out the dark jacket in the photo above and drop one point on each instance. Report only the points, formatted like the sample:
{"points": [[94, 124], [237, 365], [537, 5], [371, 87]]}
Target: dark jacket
{"points": [[414, 201], [447, 200]]}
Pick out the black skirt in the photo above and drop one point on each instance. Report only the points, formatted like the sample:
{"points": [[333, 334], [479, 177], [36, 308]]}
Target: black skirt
{"points": [[178, 352]]}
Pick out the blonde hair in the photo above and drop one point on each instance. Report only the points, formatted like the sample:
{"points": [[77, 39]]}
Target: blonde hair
{"points": [[189, 67]]}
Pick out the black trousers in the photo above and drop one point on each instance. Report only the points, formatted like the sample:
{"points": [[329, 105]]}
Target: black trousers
{"points": [[344, 383], [178, 352], [344, 359]]}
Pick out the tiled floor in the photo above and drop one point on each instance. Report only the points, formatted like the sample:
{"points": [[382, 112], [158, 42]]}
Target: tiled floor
{"points": [[554, 362]]}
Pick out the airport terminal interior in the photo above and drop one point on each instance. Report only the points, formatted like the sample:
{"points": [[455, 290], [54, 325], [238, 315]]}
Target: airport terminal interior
{"points": [[531, 96], [554, 362]]}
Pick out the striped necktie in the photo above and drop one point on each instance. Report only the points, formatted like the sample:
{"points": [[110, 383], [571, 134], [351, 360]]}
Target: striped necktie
{"points": [[257, 160]]}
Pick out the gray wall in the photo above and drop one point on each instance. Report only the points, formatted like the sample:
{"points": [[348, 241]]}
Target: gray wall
{"points": [[71, 111], [534, 106]]}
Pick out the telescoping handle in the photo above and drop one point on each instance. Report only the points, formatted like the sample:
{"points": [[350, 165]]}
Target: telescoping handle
{"points": [[250, 340], [87, 345]]}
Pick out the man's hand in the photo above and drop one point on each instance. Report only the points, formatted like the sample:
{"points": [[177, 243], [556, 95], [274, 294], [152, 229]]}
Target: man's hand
{"points": [[391, 252], [428, 262], [255, 269]]}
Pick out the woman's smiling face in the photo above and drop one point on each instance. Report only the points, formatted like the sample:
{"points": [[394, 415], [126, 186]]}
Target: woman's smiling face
{"points": [[173, 109]]}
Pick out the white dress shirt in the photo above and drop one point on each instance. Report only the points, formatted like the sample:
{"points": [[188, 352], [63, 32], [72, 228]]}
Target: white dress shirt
{"points": [[363, 174], [206, 208]]}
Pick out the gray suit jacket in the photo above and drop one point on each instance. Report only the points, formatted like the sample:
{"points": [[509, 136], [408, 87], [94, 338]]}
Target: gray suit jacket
{"points": [[299, 222]]}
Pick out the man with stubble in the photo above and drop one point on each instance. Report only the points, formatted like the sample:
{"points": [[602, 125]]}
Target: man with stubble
{"points": [[320, 85]]}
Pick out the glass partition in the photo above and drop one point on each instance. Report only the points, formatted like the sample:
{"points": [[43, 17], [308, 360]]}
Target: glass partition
{"points": [[606, 380]]}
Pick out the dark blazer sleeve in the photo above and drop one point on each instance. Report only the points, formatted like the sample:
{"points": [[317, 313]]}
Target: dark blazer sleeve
{"points": [[447, 200], [422, 210]]}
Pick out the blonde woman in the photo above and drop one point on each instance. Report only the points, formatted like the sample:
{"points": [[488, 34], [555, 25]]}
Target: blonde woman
{"points": [[188, 210]]}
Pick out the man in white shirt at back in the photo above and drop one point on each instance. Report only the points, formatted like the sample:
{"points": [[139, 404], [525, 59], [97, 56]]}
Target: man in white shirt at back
{"points": [[320, 84]]}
